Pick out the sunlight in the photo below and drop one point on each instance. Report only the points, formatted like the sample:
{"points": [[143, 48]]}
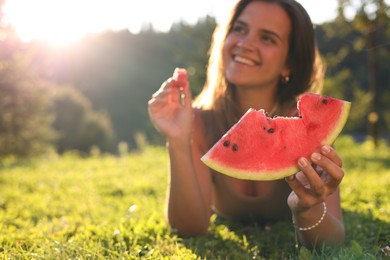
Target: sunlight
{"points": [[56, 22], [61, 22]]}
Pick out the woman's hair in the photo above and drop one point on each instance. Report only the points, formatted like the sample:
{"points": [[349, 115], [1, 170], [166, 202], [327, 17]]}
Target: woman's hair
{"points": [[218, 100]]}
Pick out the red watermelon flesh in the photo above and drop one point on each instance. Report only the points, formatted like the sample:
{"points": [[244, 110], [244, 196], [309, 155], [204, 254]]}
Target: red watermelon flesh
{"points": [[181, 77], [258, 147]]}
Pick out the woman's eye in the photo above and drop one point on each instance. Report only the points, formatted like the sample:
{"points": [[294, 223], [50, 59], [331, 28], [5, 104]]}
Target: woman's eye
{"points": [[238, 29], [268, 39]]}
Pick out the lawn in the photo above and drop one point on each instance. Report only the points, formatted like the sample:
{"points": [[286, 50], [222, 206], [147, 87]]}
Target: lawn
{"points": [[111, 207]]}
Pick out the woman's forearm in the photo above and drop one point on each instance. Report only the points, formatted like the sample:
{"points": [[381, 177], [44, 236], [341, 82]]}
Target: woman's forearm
{"points": [[318, 227], [188, 211]]}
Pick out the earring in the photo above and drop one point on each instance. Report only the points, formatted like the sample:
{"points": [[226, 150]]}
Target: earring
{"points": [[285, 79]]}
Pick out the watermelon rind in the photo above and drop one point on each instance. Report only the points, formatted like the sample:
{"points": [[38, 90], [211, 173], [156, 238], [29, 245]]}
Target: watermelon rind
{"points": [[264, 175], [340, 124], [249, 175]]}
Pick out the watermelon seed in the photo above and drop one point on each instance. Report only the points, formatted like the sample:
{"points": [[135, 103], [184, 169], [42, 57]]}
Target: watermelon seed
{"points": [[271, 130], [235, 148], [226, 143], [325, 101]]}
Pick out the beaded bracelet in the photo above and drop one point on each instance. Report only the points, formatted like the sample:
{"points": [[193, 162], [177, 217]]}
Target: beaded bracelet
{"points": [[316, 224]]}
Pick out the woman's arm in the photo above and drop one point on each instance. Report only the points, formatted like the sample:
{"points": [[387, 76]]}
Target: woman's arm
{"points": [[330, 228], [315, 200], [189, 197], [189, 194]]}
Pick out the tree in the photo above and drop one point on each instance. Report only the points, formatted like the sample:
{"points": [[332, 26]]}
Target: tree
{"points": [[371, 16], [78, 125], [25, 125]]}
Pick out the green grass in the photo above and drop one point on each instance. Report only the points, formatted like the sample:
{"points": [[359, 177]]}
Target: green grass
{"points": [[68, 207]]}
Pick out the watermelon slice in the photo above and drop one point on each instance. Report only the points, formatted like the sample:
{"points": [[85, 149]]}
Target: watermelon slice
{"points": [[180, 76], [258, 147]]}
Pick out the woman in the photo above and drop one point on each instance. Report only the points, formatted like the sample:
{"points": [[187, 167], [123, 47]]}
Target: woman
{"points": [[263, 58]]}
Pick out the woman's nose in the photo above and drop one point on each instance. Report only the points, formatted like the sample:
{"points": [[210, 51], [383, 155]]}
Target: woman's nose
{"points": [[246, 43]]}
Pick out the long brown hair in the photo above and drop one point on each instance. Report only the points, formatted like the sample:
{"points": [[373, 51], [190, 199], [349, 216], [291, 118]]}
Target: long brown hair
{"points": [[218, 100]]}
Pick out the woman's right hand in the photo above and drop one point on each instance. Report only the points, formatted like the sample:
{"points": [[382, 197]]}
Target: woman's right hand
{"points": [[170, 108]]}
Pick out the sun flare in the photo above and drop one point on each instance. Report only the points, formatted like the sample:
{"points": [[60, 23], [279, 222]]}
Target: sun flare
{"points": [[56, 22], [61, 22], [64, 21]]}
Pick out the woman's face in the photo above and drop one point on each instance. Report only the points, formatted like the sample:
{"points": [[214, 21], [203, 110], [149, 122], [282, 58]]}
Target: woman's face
{"points": [[255, 51]]}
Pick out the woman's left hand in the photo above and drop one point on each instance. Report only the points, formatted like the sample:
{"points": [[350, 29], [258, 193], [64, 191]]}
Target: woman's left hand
{"points": [[315, 182]]}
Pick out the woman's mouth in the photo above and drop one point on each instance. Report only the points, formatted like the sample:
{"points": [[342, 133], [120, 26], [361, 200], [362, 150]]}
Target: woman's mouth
{"points": [[244, 60]]}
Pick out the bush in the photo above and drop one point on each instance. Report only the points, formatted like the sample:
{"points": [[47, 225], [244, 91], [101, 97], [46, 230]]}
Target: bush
{"points": [[79, 126], [25, 124]]}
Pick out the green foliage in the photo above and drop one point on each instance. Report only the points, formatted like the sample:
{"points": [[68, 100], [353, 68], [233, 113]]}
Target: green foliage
{"points": [[356, 53], [106, 207], [119, 71], [192, 48], [79, 126], [25, 124], [36, 114]]}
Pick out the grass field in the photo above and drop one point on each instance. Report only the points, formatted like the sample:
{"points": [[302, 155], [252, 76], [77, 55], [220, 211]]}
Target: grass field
{"points": [[68, 207]]}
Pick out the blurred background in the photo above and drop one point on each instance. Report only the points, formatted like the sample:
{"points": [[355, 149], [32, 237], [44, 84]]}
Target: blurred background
{"points": [[77, 75]]}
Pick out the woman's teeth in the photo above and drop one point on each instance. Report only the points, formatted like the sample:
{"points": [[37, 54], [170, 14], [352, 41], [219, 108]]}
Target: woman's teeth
{"points": [[244, 61]]}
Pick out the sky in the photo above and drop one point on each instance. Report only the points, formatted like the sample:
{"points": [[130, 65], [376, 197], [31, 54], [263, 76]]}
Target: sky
{"points": [[64, 21]]}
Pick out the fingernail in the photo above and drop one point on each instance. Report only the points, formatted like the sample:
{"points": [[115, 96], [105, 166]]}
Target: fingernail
{"points": [[302, 162], [325, 149], [316, 156]]}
